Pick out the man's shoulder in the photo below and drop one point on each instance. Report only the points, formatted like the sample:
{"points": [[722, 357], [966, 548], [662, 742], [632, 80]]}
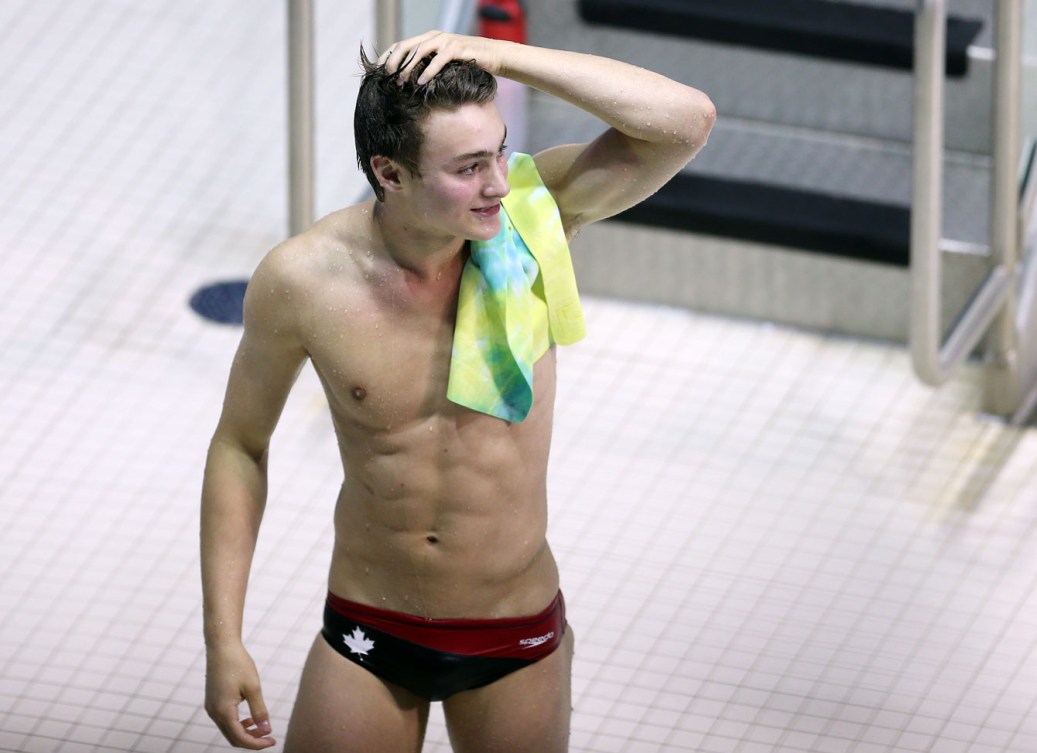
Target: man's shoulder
{"points": [[315, 257], [284, 274]]}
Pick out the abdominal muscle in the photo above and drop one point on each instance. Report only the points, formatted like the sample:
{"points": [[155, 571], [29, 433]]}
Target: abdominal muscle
{"points": [[447, 516]]}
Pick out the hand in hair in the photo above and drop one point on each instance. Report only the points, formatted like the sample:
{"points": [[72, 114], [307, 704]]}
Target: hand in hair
{"points": [[402, 57]]}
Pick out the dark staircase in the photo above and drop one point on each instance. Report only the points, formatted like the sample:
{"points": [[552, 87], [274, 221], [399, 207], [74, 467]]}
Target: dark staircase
{"points": [[770, 212], [798, 210]]}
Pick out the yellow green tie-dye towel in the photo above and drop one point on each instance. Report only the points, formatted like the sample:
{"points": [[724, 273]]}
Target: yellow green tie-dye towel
{"points": [[518, 296]]}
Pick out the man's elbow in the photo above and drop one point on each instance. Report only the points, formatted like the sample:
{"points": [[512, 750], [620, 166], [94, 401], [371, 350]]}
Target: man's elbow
{"points": [[698, 117], [237, 445], [707, 113], [702, 115]]}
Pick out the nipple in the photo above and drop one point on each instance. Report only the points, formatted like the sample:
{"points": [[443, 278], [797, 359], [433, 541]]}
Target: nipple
{"points": [[359, 393]]}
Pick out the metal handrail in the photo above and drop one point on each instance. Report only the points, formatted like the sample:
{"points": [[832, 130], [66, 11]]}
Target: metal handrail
{"points": [[992, 303], [1026, 314]]}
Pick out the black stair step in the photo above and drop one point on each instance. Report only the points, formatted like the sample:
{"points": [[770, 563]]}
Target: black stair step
{"points": [[849, 32], [794, 218]]}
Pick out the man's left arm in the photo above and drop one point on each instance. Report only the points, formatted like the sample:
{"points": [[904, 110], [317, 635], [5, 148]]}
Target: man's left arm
{"points": [[656, 125]]}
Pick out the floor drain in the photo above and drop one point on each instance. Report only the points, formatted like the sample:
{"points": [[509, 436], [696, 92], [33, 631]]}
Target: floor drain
{"points": [[220, 302]]}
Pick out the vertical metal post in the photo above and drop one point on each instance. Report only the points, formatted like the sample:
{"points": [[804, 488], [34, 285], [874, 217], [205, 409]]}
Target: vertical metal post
{"points": [[1002, 393], [388, 23], [457, 16], [300, 115], [927, 185]]}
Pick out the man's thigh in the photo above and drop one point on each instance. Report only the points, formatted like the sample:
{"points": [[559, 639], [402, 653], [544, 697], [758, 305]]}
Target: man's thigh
{"points": [[528, 710], [342, 708]]}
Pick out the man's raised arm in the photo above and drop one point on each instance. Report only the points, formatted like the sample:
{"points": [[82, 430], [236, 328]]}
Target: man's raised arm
{"points": [[656, 124]]}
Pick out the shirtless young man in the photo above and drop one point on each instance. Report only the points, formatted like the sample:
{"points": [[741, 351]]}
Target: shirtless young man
{"points": [[442, 514]]}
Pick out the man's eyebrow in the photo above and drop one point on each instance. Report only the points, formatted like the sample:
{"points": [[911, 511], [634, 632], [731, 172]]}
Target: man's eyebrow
{"points": [[483, 153]]}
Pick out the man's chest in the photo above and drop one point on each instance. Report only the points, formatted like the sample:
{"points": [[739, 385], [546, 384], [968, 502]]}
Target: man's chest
{"points": [[387, 364]]}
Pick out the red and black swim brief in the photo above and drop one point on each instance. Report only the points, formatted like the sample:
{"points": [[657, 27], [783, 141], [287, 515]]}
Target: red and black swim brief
{"points": [[437, 658]]}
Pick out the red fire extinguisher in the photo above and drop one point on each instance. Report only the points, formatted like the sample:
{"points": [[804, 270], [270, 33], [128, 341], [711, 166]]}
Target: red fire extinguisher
{"points": [[502, 19]]}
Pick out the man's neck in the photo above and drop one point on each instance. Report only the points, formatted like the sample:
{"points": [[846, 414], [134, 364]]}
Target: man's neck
{"points": [[412, 249]]}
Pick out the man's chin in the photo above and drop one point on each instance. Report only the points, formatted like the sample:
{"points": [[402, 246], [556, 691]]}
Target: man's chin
{"points": [[486, 231]]}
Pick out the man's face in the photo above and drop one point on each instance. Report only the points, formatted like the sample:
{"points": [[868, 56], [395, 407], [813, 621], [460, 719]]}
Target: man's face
{"points": [[463, 171]]}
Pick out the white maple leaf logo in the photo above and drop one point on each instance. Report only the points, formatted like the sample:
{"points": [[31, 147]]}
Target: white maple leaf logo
{"points": [[358, 643]]}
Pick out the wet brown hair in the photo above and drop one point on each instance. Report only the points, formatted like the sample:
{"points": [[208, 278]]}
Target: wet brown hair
{"points": [[389, 116]]}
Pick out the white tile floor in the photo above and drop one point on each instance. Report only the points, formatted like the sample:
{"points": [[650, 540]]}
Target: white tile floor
{"points": [[770, 540]]}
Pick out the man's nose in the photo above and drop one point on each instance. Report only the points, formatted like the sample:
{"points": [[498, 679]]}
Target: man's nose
{"points": [[497, 183]]}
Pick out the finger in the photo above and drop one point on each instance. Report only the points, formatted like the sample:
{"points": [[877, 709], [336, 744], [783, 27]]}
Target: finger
{"points": [[256, 729], [436, 44], [245, 733], [437, 64], [234, 732], [408, 62], [397, 59], [250, 739], [383, 59], [403, 62], [260, 718], [402, 50], [445, 49]]}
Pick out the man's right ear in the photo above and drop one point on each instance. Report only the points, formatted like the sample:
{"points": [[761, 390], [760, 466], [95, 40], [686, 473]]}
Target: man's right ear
{"points": [[387, 173]]}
